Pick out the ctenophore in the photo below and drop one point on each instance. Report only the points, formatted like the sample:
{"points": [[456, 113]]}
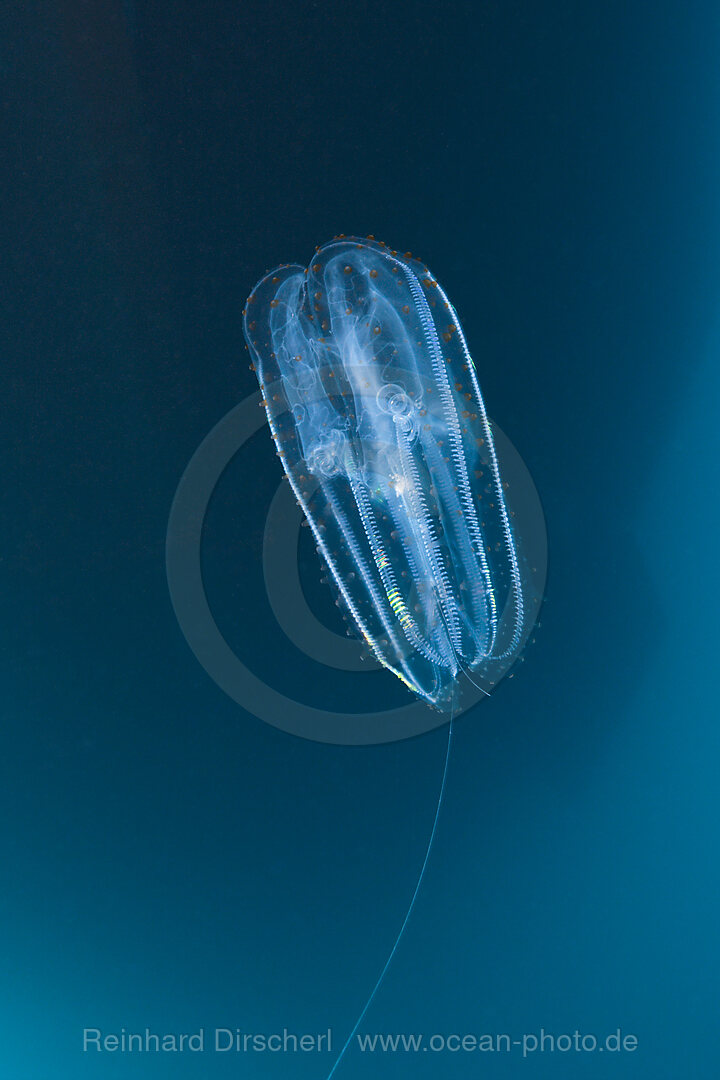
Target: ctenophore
{"points": [[375, 408]]}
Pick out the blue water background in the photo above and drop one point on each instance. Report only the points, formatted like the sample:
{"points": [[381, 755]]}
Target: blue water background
{"points": [[168, 860]]}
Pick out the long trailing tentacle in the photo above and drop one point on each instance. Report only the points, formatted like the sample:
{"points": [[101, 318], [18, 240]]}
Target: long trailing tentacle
{"points": [[413, 900]]}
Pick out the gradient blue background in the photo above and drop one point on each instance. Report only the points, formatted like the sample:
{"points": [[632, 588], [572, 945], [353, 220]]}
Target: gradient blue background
{"points": [[168, 860]]}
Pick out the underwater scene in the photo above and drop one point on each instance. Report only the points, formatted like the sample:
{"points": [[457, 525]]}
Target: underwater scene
{"points": [[362, 390]]}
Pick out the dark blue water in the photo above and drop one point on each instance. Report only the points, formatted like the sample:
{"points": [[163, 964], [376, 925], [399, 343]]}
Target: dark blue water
{"points": [[169, 861]]}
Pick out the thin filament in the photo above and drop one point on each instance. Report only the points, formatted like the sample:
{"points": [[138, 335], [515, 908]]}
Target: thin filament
{"points": [[409, 912]]}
